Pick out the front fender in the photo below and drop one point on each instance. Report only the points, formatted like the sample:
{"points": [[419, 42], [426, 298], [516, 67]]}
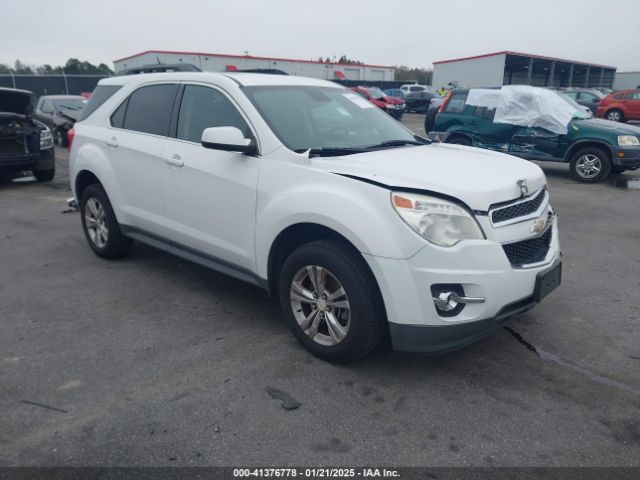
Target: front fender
{"points": [[359, 211]]}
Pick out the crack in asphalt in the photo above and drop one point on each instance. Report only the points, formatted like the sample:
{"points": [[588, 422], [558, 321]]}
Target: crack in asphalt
{"points": [[550, 357], [42, 405]]}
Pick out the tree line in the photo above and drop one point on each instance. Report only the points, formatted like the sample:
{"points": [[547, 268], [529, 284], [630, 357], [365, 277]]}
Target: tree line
{"points": [[72, 67], [423, 76]]}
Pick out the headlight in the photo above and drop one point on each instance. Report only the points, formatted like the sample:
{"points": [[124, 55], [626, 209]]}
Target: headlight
{"points": [[626, 140], [438, 221], [46, 139], [390, 106]]}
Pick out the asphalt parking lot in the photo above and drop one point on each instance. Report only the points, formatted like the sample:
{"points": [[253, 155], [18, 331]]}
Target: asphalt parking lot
{"points": [[154, 361]]}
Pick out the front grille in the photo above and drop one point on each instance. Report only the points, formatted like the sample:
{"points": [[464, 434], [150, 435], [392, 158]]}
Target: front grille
{"points": [[529, 251], [519, 209]]}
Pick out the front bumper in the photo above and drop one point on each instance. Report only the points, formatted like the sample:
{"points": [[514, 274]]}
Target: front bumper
{"points": [[396, 112], [480, 267], [430, 339], [44, 159], [628, 157]]}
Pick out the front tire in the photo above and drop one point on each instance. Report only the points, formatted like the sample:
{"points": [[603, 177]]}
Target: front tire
{"points": [[44, 175], [590, 165], [100, 226], [331, 301]]}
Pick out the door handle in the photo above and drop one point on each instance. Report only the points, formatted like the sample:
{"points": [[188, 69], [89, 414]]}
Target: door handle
{"points": [[473, 122], [174, 160], [112, 142]]}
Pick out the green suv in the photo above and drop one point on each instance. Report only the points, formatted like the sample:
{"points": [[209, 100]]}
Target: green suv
{"points": [[594, 148]]}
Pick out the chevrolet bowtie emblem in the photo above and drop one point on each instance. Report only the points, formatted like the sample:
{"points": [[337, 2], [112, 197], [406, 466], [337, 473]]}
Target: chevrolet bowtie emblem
{"points": [[539, 225], [524, 189]]}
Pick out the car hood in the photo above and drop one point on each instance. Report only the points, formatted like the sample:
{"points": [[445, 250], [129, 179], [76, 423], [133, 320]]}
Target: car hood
{"points": [[16, 101], [614, 127], [393, 100], [479, 178]]}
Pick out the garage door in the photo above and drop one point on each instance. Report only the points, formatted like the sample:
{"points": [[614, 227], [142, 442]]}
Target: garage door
{"points": [[352, 73], [376, 75]]}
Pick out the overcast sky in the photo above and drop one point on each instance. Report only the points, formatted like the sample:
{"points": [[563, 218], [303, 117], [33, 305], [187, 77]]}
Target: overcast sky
{"points": [[407, 32]]}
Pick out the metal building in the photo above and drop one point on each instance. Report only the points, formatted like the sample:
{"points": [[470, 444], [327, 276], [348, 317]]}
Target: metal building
{"points": [[512, 68], [216, 62], [627, 80]]}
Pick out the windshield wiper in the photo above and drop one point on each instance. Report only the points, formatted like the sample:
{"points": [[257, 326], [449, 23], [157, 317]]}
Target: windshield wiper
{"points": [[336, 151], [330, 151], [397, 143]]}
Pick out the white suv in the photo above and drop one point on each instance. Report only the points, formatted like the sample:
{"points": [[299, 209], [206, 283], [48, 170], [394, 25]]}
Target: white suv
{"points": [[304, 188], [415, 88]]}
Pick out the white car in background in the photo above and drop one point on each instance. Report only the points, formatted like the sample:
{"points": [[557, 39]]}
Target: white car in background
{"points": [[304, 188], [413, 88]]}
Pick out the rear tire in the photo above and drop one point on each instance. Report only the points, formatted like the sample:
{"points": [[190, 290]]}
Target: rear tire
{"points": [[100, 226], [61, 138], [309, 281], [430, 119], [614, 115], [590, 165]]}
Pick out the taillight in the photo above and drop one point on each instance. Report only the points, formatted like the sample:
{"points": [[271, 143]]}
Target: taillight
{"points": [[444, 103], [70, 134]]}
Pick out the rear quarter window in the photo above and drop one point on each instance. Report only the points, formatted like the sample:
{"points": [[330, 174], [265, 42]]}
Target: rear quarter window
{"points": [[100, 94], [456, 103]]}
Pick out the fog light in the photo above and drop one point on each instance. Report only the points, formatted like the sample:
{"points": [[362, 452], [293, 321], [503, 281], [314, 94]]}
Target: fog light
{"points": [[449, 299]]}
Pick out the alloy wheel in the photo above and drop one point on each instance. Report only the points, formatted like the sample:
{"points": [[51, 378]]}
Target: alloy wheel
{"points": [[96, 223], [320, 305], [613, 116], [589, 166]]}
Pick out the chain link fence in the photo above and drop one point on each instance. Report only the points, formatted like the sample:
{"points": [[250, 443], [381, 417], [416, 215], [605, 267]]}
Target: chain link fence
{"points": [[51, 84]]}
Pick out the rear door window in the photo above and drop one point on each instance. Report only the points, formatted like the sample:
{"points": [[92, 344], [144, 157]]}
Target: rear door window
{"points": [[485, 113], [456, 103], [149, 109], [587, 97]]}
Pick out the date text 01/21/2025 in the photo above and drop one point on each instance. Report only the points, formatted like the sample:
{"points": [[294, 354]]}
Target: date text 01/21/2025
{"points": [[315, 472]]}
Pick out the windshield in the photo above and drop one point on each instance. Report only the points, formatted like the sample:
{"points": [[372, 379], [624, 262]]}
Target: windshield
{"points": [[70, 104], [305, 117], [581, 112], [376, 93]]}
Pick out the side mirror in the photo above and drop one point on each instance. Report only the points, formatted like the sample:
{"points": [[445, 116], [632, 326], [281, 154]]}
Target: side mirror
{"points": [[229, 139]]}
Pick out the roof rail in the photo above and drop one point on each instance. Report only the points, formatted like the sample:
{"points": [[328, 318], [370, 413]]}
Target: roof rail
{"points": [[156, 68], [268, 71]]}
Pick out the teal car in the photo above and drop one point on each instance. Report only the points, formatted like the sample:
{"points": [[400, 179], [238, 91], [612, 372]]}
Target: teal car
{"points": [[593, 148]]}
